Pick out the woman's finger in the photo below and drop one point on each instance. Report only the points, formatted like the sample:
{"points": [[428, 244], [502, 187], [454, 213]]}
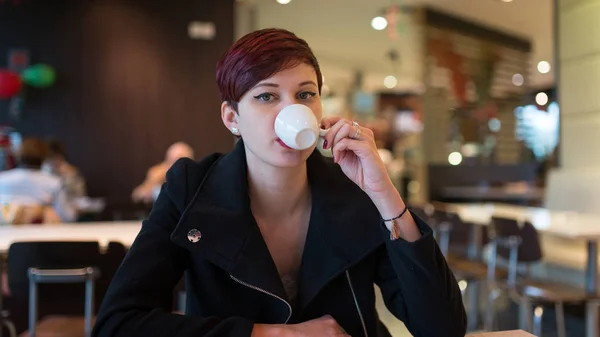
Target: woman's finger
{"points": [[334, 129], [327, 122], [346, 131], [361, 149]]}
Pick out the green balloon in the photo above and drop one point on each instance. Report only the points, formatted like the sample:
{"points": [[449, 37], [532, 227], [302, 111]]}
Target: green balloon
{"points": [[39, 76]]}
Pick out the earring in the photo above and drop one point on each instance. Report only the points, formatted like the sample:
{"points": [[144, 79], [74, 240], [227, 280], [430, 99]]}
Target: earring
{"points": [[235, 131]]}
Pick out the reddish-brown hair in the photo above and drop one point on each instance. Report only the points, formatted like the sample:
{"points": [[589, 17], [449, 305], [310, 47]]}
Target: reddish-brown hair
{"points": [[257, 56]]}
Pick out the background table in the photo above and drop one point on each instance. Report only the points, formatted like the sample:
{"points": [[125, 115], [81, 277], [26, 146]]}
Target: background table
{"points": [[513, 333]]}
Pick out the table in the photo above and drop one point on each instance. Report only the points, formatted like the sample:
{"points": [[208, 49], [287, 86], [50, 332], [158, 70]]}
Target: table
{"points": [[486, 193], [513, 333], [564, 224], [103, 232], [124, 232]]}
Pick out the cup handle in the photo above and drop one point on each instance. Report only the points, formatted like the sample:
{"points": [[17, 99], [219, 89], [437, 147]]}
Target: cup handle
{"points": [[323, 132]]}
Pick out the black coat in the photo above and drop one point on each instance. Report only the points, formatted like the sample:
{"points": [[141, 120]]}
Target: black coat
{"points": [[232, 282]]}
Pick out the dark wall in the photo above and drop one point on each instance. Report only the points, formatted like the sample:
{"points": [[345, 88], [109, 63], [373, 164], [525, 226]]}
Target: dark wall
{"points": [[130, 81]]}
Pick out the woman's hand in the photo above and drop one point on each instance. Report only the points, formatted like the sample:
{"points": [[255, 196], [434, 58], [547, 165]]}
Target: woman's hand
{"points": [[325, 326], [354, 149]]}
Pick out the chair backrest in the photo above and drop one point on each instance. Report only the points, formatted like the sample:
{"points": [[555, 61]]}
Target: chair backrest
{"points": [[65, 299], [530, 249], [419, 211], [460, 233]]}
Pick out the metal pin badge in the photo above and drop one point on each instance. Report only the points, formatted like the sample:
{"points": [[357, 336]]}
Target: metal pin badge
{"points": [[194, 235]]}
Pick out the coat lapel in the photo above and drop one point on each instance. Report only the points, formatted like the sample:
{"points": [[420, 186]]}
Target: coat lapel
{"points": [[230, 237], [344, 228]]}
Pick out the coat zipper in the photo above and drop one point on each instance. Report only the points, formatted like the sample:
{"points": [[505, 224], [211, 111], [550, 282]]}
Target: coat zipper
{"points": [[362, 320], [264, 292]]}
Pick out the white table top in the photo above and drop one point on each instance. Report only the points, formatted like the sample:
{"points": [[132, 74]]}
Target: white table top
{"points": [[492, 193], [103, 232], [513, 333], [570, 225]]}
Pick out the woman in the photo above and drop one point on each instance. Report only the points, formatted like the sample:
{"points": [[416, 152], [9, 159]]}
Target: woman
{"points": [[280, 242]]}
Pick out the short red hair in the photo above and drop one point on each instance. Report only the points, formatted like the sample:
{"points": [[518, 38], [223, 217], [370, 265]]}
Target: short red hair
{"points": [[258, 56]]}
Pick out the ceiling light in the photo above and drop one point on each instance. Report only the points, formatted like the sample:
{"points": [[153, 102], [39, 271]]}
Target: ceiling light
{"points": [[543, 67], [506, 0], [494, 124], [379, 23], [455, 158], [541, 98], [202, 30], [284, 2], [518, 80], [390, 82]]}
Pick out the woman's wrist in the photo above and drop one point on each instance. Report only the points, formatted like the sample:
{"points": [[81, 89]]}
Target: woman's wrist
{"points": [[269, 330], [389, 204]]}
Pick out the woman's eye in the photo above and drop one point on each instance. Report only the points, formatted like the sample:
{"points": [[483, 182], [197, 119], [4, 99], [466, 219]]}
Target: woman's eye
{"points": [[307, 95], [266, 97]]}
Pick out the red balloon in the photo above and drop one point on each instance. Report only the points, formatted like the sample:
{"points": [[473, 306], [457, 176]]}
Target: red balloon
{"points": [[10, 84]]}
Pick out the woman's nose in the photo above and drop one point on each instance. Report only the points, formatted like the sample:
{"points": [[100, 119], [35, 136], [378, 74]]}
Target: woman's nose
{"points": [[290, 99]]}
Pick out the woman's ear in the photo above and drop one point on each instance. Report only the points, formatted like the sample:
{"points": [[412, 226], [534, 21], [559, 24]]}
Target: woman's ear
{"points": [[229, 117]]}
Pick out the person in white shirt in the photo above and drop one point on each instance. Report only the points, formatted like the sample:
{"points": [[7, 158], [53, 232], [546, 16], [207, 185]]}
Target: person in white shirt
{"points": [[56, 163], [28, 185]]}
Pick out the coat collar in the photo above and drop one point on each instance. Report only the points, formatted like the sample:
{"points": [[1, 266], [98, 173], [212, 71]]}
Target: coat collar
{"points": [[344, 226]]}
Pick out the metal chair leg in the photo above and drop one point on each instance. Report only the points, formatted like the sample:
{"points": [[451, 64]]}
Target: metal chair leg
{"points": [[471, 291], [560, 319], [490, 311], [537, 321], [525, 315], [592, 315]]}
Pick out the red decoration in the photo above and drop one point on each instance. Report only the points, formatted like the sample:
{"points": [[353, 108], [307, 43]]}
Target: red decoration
{"points": [[10, 84], [447, 58], [391, 15]]}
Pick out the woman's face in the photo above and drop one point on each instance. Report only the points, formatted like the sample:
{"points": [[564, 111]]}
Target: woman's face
{"points": [[259, 107]]}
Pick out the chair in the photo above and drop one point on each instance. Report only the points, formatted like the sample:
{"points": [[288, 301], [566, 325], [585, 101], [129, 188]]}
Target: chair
{"points": [[518, 243], [5, 321], [454, 237], [65, 325], [8, 324], [63, 301]]}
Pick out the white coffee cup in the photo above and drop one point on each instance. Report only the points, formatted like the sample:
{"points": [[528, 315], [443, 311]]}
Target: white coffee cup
{"points": [[297, 127]]}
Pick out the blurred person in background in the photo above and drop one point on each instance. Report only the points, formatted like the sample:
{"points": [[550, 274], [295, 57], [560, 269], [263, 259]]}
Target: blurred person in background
{"points": [[147, 192], [28, 186], [56, 163]]}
